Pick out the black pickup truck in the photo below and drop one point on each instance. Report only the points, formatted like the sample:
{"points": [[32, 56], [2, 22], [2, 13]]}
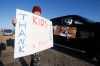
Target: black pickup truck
{"points": [[77, 33]]}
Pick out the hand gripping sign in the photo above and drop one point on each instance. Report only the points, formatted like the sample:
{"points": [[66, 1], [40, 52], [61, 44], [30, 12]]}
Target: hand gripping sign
{"points": [[33, 34]]}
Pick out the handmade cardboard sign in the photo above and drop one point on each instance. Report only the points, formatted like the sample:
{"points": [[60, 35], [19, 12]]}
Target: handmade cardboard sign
{"points": [[33, 34]]}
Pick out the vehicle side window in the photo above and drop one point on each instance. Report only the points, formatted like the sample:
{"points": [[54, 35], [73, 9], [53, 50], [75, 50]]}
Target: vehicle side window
{"points": [[72, 31], [84, 34], [65, 31], [92, 34], [57, 30]]}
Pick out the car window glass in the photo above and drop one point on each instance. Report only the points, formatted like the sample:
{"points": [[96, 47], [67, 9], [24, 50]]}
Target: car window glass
{"points": [[65, 31], [84, 34], [8, 31]]}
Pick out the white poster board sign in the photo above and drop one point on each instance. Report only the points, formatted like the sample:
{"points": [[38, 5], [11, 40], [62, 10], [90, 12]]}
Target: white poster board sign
{"points": [[32, 34]]}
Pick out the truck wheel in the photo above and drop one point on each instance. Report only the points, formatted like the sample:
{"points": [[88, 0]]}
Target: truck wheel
{"points": [[97, 52]]}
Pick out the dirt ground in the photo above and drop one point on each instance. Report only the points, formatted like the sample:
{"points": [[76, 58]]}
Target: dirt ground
{"points": [[51, 57]]}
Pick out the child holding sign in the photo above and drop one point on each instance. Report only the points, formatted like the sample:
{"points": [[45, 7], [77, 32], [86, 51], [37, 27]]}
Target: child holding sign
{"points": [[35, 58]]}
